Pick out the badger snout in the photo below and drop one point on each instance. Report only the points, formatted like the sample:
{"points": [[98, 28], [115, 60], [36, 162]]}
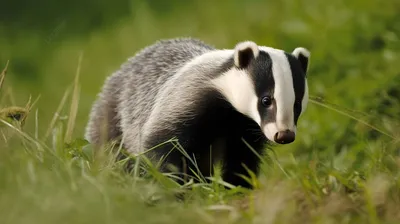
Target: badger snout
{"points": [[284, 137]]}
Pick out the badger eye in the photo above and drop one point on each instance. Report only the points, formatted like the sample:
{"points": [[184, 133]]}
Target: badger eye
{"points": [[266, 101]]}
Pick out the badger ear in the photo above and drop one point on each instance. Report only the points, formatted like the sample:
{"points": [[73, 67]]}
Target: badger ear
{"points": [[244, 53], [302, 55]]}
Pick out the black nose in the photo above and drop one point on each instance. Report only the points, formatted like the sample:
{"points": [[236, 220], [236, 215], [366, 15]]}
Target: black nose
{"points": [[284, 137]]}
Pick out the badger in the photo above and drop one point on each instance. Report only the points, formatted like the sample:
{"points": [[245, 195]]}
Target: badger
{"points": [[221, 105]]}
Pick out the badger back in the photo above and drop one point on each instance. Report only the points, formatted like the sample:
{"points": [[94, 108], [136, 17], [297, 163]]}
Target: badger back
{"points": [[150, 73]]}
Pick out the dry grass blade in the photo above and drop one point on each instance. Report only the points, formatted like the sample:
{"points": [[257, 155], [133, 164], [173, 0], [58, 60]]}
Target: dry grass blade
{"points": [[56, 114], [74, 103], [30, 105], [27, 109], [3, 75]]}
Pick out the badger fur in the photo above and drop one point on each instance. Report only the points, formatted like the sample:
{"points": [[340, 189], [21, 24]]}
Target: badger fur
{"points": [[216, 103]]}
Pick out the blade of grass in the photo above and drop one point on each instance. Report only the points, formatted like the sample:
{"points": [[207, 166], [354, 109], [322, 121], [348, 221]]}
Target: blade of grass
{"points": [[30, 105], [37, 124], [57, 113], [3, 74], [74, 103]]}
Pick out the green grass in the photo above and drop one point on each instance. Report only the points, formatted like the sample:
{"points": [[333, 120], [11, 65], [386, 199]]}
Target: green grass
{"points": [[65, 180], [343, 167]]}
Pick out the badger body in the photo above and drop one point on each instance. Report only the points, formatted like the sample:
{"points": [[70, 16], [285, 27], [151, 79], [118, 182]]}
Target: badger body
{"points": [[216, 103]]}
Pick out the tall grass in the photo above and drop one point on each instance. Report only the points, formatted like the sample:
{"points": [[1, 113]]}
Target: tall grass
{"points": [[66, 182]]}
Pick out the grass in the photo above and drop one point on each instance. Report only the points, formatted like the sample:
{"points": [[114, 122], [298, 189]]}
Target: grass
{"points": [[64, 180]]}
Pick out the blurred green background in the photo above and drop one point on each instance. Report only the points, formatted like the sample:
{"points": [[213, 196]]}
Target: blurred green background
{"points": [[354, 54]]}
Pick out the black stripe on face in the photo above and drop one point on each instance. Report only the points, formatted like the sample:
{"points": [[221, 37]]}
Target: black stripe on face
{"points": [[260, 71], [298, 77]]}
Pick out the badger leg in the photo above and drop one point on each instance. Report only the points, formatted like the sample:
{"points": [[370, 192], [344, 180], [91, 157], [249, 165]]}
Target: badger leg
{"points": [[196, 163], [240, 159]]}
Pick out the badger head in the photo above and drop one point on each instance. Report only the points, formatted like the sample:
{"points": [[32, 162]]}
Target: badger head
{"points": [[269, 86]]}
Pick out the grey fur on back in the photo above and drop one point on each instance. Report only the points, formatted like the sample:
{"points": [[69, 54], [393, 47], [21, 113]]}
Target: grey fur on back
{"points": [[149, 90]]}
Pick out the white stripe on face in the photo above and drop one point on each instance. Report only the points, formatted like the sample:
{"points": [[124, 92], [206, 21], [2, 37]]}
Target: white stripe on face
{"points": [[238, 88], [284, 94], [304, 102]]}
